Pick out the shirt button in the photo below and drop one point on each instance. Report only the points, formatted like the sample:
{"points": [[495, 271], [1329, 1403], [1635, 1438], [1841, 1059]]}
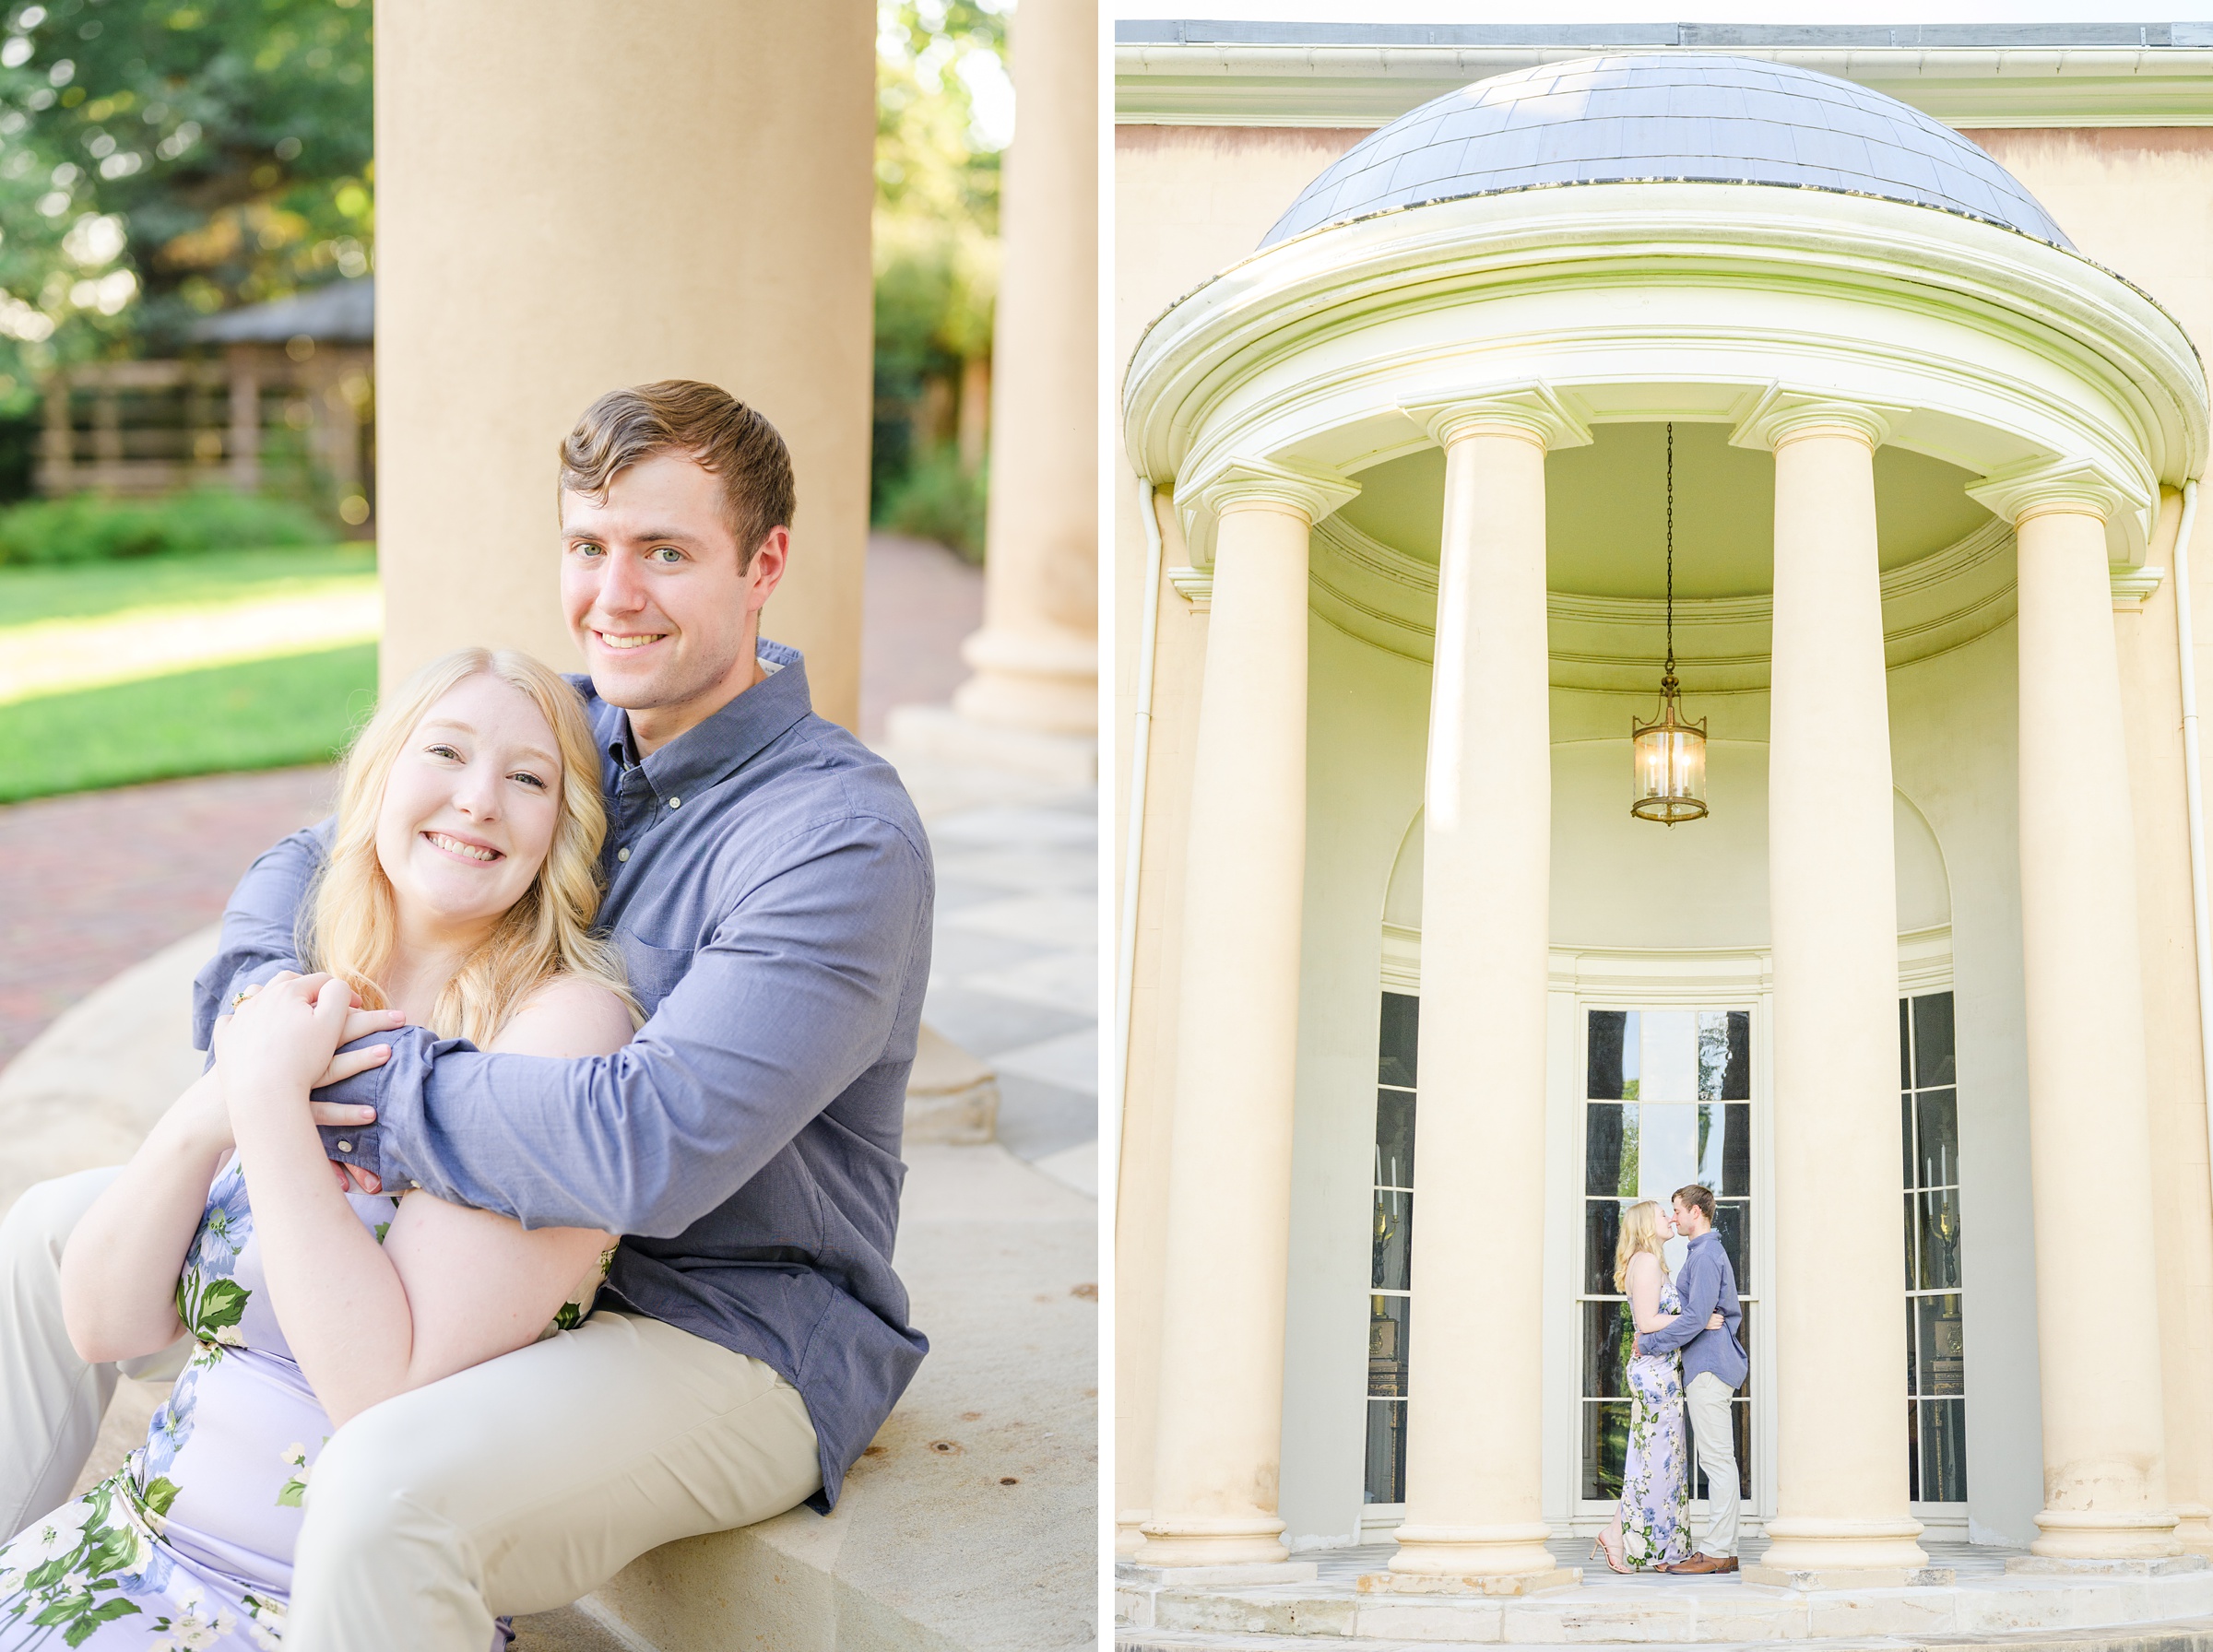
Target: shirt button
{"points": [[345, 1146], [674, 801], [621, 854]]}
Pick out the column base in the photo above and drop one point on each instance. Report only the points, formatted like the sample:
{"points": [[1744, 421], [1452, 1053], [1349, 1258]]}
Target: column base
{"points": [[949, 735], [2127, 1534], [1849, 1577], [1209, 1543], [1197, 1578], [1128, 1532], [1043, 681], [1427, 1583], [2171, 1566], [2194, 1528], [1855, 1552], [1474, 1560]]}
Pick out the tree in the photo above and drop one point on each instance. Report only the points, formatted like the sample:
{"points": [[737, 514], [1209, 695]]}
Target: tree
{"points": [[162, 159]]}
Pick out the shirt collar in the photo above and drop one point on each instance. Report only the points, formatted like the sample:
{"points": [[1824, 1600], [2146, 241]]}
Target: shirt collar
{"points": [[725, 741]]}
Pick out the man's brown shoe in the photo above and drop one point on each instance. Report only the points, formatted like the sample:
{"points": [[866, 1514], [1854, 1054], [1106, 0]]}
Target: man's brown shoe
{"points": [[1699, 1564]]}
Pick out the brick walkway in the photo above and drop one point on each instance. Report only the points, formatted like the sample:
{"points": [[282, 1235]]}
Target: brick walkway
{"points": [[93, 884]]}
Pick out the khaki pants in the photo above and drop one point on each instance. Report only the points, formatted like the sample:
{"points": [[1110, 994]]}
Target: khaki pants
{"points": [[1713, 1431], [515, 1486]]}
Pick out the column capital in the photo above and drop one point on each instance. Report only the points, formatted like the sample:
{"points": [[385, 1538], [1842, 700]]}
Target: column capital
{"points": [[2080, 485], [1780, 415], [1263, 484], [1533, 410]]}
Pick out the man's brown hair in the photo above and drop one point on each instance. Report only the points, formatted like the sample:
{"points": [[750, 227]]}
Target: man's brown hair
{"points": [[1697, 1197], [707, 425]]}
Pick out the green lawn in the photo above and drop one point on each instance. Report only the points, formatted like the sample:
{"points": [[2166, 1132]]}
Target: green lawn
{"points": [[89, 589], [263, 714]]}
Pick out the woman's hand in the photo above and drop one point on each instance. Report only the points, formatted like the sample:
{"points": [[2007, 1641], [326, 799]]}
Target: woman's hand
{"points": [[281, 1041], [1717, 1322]]}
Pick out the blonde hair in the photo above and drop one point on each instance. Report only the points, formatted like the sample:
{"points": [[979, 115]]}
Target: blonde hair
{"points": [[1639, 1232], [350, 926]]}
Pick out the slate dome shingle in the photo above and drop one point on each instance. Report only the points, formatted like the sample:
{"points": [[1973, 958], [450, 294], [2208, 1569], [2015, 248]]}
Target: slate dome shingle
{"points": [[1703, 117]]}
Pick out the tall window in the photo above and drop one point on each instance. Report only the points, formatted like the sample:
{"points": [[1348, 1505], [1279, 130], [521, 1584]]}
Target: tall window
{"points": [[1669, 1102], [1391, 1276], [1936, 1338]]}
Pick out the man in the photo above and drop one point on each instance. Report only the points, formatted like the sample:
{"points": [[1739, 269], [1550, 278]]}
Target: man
{"points": [[771, 889], [1713, 1368]]}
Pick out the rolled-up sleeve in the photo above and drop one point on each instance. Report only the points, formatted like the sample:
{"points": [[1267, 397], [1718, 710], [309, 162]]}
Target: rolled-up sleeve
{"points": [[790, 998]]}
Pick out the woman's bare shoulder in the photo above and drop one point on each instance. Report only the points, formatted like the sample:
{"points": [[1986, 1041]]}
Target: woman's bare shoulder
{"points": [[1645, 1263], [567, 1017]]}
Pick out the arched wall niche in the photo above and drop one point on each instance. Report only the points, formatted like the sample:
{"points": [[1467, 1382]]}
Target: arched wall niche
{"points": [[1619, 881]]}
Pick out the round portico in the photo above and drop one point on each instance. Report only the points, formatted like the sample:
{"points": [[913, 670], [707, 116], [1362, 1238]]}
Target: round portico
{"points": [[1395, 418]]}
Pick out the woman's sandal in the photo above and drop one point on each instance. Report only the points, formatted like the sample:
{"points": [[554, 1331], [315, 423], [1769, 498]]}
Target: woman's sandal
{"points": [[1614, 1562]]}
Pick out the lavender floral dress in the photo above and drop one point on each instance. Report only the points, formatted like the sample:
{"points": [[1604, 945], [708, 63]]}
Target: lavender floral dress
{"points": [[1655, 1480], [189, 1545]]}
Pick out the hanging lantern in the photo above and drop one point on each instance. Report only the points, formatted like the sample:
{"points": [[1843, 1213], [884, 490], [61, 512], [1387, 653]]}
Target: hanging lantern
{"points": [[1669, 754]]}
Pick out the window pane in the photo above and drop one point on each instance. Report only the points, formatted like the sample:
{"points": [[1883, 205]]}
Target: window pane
{"points": [[1394, 1139], [1386, 1328], [1602, 1231], [1713, 1053], [1905, 1048], [1736, 1151], [1912, 1231], [1609, 1032], [1737, 1082], [1605, 1447], [1392, 1262], [1743, 1338], [1944, 1428], [1939, 1137], [1933, 1040], [1913, 1350], [1905, 1134], [1386, 1451], [1938, 1239], [1733, 1221], [1913, 1449], [1606, 1173], [1401, 1018], [1943, 1341], [1606, 1350], [1740, 1415]]}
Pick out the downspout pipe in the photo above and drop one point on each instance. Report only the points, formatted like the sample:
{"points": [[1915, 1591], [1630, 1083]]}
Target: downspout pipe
{"points": [[2193, 794], [1133, 831]]}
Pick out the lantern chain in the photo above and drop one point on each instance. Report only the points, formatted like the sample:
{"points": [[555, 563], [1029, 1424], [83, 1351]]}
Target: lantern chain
{"points": [[1671, 550]]}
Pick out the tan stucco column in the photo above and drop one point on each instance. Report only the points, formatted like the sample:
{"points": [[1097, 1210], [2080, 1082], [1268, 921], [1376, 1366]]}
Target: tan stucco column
{"points": [[1474, 1429], [1037, 658], [1842, 1504], [530, 258], [1221, 1389], [2090, 1139]]}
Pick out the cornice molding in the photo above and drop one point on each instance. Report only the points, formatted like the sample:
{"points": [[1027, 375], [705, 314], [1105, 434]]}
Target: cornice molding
{"points": [[1261, 484], [1361, 85], [1195, 585], [2133, 587]]}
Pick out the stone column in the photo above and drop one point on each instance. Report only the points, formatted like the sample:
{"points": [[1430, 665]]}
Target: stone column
{"points": [[529, 260], [2090, 1138], [1842, 1507], [1474, 1433], [1037, 658], [1221, 1393]]}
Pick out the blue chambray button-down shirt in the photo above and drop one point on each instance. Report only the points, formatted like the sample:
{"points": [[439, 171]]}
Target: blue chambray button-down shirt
{"points": [[770, 886], [1708, 1282]]}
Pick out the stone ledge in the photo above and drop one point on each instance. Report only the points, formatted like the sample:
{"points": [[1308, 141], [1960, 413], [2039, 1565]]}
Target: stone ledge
{"points": [[1425, 1583], [1851, 1577], [1282, 1571], [2165, 1565]]}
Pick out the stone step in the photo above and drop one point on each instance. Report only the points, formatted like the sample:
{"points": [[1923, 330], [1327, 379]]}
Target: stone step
{"points": [[2193, 1634]]}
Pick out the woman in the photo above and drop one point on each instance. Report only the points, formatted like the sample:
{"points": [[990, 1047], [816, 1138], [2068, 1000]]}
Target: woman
{"points": [[1652, 1526], [458, 894]]}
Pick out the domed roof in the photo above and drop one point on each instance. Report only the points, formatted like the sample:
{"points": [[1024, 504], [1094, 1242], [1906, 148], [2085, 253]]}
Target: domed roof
{"points": [[1705, 117]]}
